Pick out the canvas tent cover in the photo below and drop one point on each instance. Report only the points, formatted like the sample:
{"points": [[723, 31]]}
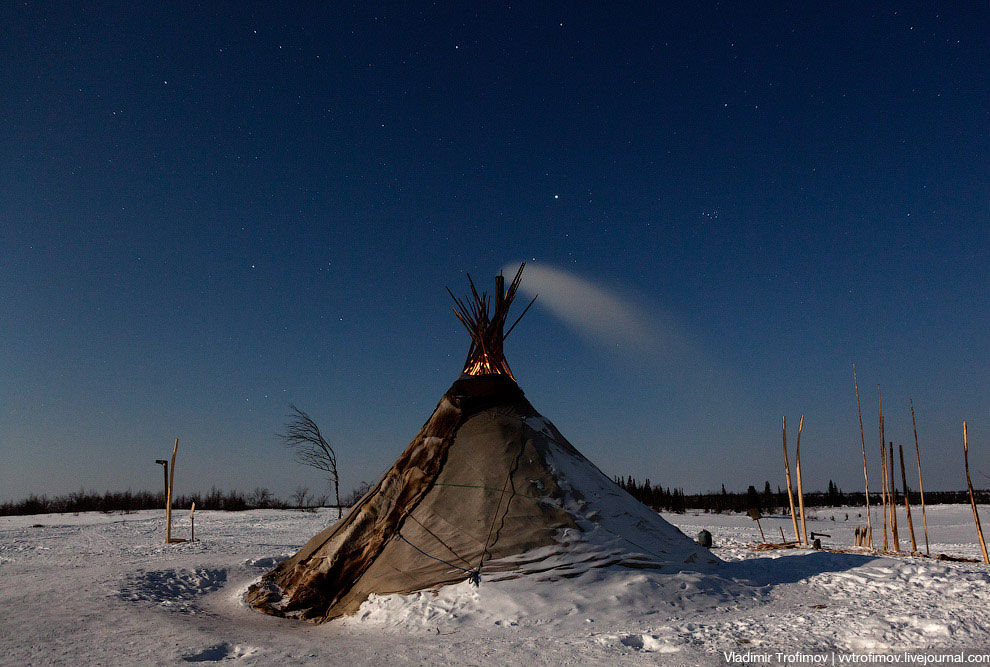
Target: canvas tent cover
{"points": [[488, 489]]}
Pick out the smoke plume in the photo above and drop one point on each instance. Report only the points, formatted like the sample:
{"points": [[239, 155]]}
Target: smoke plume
{"points": [[599, 314]]}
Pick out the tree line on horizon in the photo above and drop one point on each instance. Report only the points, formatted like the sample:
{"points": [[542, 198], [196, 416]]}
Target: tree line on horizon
{"points": [[659, 498], [132, 501], [769, 501]]}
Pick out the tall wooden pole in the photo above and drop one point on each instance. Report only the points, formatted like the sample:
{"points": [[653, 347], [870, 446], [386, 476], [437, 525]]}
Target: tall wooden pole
{"points": [[883, 471], [797, 466], [790, 492], [972, 498], [883, 493], [168, 500], [893, 500], [866, 476], [907, 502], [921, 482]]}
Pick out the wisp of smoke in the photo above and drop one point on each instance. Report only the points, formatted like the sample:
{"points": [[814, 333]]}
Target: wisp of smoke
{"points": [[596, 312]]}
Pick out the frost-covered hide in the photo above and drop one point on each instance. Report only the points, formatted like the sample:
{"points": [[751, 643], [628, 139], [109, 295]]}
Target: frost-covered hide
{"points": [[488, 489]]}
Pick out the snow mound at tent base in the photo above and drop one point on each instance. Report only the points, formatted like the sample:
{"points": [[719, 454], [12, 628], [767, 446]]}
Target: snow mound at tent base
{"points": [[612, 593]]}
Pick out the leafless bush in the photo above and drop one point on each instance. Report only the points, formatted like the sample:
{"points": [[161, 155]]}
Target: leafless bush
{"points": [[357, 493], [261, 498], [301, 497]]}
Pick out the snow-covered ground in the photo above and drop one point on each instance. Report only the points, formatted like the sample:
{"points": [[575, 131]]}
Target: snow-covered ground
{"points": [[103, 589]]}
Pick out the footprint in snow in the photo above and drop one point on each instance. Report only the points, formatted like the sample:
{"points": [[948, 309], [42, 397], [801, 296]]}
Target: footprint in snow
{"points": [[175, 589], [647, 644], [221, 652]]}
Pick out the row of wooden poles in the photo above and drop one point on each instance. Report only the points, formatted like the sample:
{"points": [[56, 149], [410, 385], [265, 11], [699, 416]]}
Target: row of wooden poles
{"points": [[864, 536]]}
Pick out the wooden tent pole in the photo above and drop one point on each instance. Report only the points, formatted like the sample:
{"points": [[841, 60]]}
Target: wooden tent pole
{"points": [[907, 501], [168, 500], [893, 500], [866, 476], [883, 494], [883, 471], [972, 498], [921, 482], [790, 493], [168, 495], [797, 466]]}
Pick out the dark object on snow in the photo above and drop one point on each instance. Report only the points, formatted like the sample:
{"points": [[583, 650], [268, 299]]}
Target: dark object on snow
{"points": [[817, 544], [705, 539]]}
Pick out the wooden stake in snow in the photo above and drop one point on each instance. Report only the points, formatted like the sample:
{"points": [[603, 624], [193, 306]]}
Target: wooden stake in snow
{"points": [[192, 523], [972, 498], [907, 503], [168, 499], [886, 498], [866, 476], [790, 492], [921, 482], [755, 515], [893, 500], [883, 471], [797, 469]]}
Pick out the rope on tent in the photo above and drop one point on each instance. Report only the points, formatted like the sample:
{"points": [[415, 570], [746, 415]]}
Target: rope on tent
{"points": [[473, 575], [538, 499], [551, 503], [437, 538], [508, 479], [494, 519]]}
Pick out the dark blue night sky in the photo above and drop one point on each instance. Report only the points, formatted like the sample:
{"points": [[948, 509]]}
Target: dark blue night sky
{"points": [[207, 214]]}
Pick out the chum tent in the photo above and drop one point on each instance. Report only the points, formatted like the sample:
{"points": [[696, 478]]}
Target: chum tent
{"points": [[487, 490]]}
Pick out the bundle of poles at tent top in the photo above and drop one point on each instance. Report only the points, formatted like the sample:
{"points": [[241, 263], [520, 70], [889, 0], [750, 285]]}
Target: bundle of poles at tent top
{"points": [[486, 355]]}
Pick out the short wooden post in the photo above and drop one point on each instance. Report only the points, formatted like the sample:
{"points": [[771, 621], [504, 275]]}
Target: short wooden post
{"points": [[192, 523], [972, 498], [907, 502], [168, 500], [797, 466], [790, 493], [921, 482]]}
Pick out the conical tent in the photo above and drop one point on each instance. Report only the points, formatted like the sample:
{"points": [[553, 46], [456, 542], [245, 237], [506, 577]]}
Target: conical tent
{"points": [[487, 490]]}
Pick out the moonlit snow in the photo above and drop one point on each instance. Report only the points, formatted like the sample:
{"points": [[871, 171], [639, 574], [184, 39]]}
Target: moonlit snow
{"points": [[102, 588]]}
